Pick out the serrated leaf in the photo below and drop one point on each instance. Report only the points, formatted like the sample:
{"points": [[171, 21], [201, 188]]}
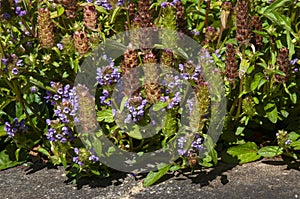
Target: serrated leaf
{"points": [[271, 112], [245, 152], [270, 151], [105, 115], [295, 145], [294, 136], [153, 177]]}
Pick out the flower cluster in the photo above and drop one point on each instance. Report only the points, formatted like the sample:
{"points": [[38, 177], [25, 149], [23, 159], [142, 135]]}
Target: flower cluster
{"points": [[189, 71], [84, 157], [104, 3], [65, 108], [283, 138], [172, 4], [18, 9], [12, 64], [15, 127], [136, 106], [56, 133], [104, 99], [196, 145], [64, 101], [109, 74], [172, 102]]}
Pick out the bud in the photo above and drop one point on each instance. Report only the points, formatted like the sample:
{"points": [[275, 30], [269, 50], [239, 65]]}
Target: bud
{"points": [[283, 63], [181, 21], [231, 64], [70, 7], [151, 78], [90, 16], [45, 28], [256, 25], [81, 42], [87, 113], [129, 65], [242, 23]]}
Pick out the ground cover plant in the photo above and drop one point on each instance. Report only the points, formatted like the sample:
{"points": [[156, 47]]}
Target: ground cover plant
{"points": [[254, 45]]}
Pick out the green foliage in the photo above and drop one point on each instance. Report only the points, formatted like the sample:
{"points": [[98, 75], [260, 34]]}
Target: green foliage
{"points": [[256, 99], [247, 152]]}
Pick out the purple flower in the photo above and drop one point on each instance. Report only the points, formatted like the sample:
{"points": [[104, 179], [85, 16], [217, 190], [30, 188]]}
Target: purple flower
{"points": [[181, 151], [33, 89], [294, 61], [181, 67], [94, 158], [6, 15], [15, 127], [15, 71], [164, 4], [20, 62], [76, 150], [4, 61], [120, 2], [288, 142], [60, 46]]}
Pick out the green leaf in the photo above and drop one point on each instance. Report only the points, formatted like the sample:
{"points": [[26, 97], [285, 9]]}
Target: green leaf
{"points": [[291, 45], [296, 145], [270, 151], [2, 131], [281, 20], [160, 105], [293, 136], [293, 96], [284, 113], [6, 162], [271, 112], [43, 151], [210, 146], [175, 168], [255, 82], [277, 4], [239, 130], [244, 65], [105, 115], [101, 9], [113, 17], [135, 133], [64, 160], [153, 177], [245, 152]]}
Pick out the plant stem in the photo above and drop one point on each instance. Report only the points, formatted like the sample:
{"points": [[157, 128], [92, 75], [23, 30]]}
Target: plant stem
{"points": [[241, 85], [207, 12], [27, 27]]}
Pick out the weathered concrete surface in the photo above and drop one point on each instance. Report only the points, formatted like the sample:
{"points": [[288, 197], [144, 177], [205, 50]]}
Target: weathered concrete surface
{"points": [[263, 179]]}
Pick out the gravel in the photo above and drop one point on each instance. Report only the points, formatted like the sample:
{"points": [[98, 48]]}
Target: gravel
{"points": [[262, 179]]}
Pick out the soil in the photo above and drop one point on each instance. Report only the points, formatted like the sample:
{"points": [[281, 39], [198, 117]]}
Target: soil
{"points": [[268, 178]]}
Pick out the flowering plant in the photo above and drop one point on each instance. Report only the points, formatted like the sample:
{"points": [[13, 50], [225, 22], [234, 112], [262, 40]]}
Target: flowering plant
{"points": [[46, 117]]}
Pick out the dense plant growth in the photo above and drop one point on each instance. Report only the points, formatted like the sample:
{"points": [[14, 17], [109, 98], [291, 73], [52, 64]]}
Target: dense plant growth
{"points": [[254, 45]]}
